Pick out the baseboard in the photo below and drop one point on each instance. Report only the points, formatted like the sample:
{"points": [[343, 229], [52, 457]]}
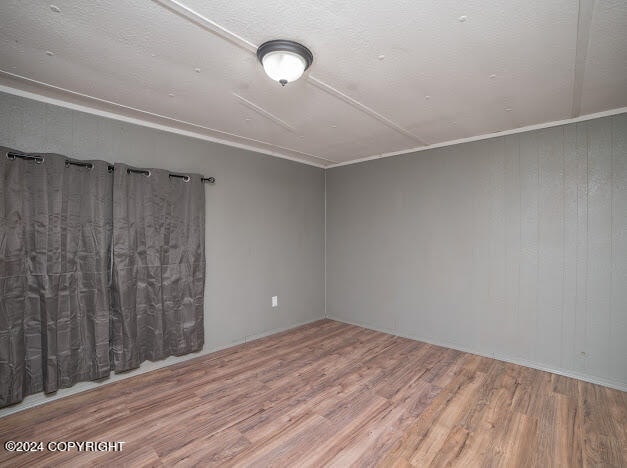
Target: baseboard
{"points": [[622, 386], [274, 331], [37, 399]]}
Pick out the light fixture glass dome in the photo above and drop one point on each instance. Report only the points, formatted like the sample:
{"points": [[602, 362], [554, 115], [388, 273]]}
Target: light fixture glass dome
{"points": [[282, 65], [284, 61]]}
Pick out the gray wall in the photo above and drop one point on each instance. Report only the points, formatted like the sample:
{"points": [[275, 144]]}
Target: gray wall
{"points": [[514, 247], [265, 216]]}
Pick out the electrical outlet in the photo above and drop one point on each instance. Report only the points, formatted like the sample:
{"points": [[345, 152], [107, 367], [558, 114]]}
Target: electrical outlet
{"points": [[275, 301]]}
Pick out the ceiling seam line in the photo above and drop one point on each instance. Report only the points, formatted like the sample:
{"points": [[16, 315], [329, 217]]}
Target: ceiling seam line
{"points": [[363, 108], [264, 113], [211, 26], [584, 21], [207, 24]]}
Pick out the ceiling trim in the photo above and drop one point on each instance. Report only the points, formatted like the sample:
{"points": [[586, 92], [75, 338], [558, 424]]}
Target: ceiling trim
{"points": [[584, 21], [146, 123], [487, 136], [264, 113], [68, 99], [211, 26], [207, 24], [362, 107]]}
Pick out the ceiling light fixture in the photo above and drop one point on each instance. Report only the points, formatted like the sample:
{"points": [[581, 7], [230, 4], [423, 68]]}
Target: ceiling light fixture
{"points": [[284, 61]]}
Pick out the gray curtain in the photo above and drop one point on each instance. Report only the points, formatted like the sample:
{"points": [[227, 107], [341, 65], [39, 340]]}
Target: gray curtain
{"points": [[55, 240], [158, 266]]}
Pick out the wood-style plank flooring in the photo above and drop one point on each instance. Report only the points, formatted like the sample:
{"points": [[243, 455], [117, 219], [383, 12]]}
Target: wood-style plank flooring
{"points": [[334, 394]]}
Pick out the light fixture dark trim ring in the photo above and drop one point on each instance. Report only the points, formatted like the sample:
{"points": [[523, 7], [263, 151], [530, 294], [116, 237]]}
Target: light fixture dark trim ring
{"points": [[285, 46]]}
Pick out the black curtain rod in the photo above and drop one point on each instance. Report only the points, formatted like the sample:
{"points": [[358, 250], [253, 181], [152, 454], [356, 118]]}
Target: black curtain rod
{"points": [[27, 157], [136, 171], [68, 162]]}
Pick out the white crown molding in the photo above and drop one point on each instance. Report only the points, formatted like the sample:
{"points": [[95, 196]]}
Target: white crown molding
{"points": [[487, 136], [76, 101], [324, 163]]}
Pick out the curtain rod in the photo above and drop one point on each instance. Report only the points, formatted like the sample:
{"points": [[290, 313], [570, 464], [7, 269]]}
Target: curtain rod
{"points": [[69, 162]]}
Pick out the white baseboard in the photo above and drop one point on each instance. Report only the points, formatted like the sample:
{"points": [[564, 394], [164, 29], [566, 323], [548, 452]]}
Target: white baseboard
{"points": [[622, 386], [37, 399]]}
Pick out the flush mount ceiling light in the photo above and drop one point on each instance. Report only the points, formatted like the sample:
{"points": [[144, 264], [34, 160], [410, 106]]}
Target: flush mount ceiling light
{"points": [[284, 61]]}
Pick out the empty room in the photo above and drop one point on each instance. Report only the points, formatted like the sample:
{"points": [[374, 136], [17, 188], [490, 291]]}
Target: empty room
{"points": [[316, 233]]}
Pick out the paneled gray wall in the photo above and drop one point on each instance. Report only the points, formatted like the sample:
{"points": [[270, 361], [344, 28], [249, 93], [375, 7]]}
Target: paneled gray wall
{"points": [[265, 216], [514, 247]]}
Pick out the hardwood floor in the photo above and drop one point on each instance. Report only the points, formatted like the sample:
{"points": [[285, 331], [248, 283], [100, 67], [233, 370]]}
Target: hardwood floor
{"points": [[334, 394]]}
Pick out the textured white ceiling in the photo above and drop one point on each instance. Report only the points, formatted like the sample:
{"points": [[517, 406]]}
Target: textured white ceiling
{"points": [[387, 76]]}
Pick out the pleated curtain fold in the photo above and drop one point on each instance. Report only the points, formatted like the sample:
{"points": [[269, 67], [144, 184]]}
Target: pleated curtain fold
{"points": [[55, 241], [99, 270], [158, 266]]}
